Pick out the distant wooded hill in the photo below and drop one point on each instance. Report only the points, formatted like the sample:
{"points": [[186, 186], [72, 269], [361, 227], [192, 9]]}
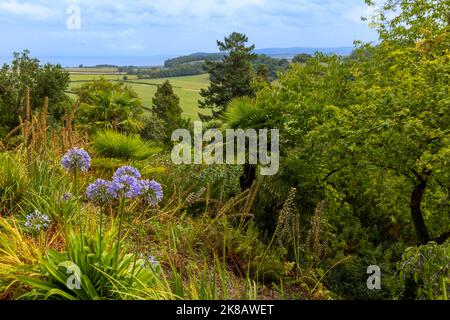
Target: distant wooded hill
{"points": [[195, 57], [291, 52], [276, 60], [194, 62], [287, 53]]}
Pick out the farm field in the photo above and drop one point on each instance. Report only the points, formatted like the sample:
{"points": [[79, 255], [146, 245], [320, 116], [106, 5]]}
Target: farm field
{"points": [[92, 70], [187, 87]]}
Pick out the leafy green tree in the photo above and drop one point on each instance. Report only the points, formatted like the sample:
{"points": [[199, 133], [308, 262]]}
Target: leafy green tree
{"points": [[166, 106], [400, 120], [43, 81], [385, 113], [301, 58], [370, 136], [262, 72], [231, 77], [273, 65], [387, 117], [9, 98], [52, 82], [410, 22]]}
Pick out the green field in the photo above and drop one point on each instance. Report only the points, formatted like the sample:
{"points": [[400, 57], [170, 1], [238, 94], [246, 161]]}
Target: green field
{"points": [[187, 88], [93, 70]]}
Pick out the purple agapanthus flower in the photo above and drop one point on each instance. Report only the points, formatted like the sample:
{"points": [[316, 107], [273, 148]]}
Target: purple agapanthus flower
{"points": [[127, 170], [149, 260], [66, 196], [152, 191], [99, 192], [37, 221], [125, 186], [76, 159]]}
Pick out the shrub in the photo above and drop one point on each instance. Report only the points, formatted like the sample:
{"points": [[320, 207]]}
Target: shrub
{"points": [[349, 280], [154, 128], [19, 253], [109, 143], [102, 271], [203, 185], [59, 206], [427, 270], [13, 182]]}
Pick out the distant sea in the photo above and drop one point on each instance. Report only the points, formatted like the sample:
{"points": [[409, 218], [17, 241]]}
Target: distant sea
{"points": [[157, 60]]}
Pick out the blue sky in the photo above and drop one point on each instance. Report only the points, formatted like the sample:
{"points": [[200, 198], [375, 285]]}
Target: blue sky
{"points": [[162, 27]]}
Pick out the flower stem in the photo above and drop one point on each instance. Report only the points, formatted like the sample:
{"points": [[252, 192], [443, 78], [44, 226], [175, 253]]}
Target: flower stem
{"points": [[121, 212], [139, 244], [101, 236], [75, 178]]}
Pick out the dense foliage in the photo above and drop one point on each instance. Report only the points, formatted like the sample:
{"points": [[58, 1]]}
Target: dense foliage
{"points": [[24, 72], [106, 105], [301, 58], [274, 66], [188, 69], [166, 107], [196, 57]]}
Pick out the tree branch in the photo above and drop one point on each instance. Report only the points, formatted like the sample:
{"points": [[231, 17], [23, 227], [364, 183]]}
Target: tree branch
{"points": [[442, 238]]}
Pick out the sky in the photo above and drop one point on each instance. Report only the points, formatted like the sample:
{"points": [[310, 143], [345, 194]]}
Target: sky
{"points": [[175, 27]]}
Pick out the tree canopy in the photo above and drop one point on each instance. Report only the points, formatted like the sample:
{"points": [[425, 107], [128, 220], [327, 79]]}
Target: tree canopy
{"points": [[231, 77], [42, 80], [376, 123], [166, 107]]}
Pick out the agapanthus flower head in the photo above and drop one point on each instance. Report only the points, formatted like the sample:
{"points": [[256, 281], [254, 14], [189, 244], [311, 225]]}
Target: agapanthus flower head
{"points": [[99, 192], [152, 191], [125, 186], [66, 196], [127, 171], [76, 159], [149, 260], [37, 221]]}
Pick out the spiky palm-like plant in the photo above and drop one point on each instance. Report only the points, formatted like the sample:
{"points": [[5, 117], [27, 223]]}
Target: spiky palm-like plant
{"points": [[113, 144], [113, 110], [245, 113]]}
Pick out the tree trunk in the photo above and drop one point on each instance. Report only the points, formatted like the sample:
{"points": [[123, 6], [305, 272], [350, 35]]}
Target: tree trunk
{"points": [[416, 211], [248, 176]]}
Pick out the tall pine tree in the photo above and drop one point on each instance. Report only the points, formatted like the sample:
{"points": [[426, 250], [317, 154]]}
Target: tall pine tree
{"points": [[231, 77]]}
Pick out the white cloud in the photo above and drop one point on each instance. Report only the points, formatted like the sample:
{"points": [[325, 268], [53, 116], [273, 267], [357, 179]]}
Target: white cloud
{"points": [[202, 8], [181, 25], [26, 9], [354, 14]]}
